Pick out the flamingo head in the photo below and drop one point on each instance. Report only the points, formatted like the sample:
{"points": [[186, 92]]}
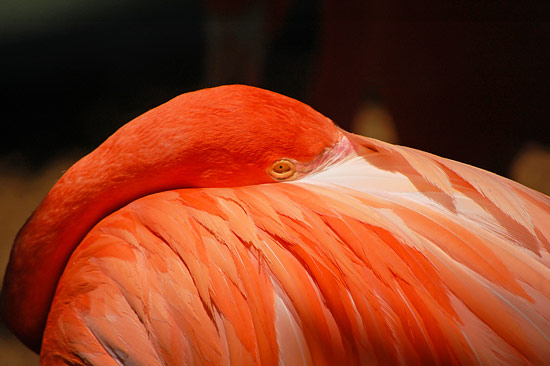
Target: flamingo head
{"points": [[226, 136]]}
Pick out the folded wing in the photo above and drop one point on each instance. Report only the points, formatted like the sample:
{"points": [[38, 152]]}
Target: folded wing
{"points": [[392, 256]]}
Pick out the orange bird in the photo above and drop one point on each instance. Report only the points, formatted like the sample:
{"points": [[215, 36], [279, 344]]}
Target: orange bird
{"points": [[236, 226]]}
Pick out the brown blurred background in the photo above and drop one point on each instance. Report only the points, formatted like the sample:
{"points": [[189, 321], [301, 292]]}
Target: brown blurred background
{"points": [[468, 80]]}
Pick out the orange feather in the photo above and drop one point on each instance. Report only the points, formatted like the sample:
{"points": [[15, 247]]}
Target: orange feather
{"points": [[169, 245]]}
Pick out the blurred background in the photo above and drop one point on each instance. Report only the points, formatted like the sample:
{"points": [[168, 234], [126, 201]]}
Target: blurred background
{"points": [[468, 80]]}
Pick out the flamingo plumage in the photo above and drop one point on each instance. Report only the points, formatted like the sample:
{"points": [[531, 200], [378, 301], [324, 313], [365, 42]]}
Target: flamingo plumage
{"points": [[233, 225]]}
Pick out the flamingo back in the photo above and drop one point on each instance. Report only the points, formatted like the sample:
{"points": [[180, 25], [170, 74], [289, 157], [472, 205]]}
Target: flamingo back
{"points": [[390, 256]]}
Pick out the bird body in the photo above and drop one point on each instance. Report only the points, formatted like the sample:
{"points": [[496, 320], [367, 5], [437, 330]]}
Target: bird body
{"points": [[278, 238]]}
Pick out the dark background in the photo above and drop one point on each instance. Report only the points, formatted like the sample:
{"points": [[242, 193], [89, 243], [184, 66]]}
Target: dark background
{"points": [[468, 80]]}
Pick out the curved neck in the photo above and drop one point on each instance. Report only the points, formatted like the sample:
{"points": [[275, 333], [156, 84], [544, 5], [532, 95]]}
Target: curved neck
{"points": [[89, 191]]}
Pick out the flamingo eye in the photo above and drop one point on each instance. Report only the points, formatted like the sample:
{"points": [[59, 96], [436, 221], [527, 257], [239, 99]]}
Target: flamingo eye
{"points": [[282, 169]]}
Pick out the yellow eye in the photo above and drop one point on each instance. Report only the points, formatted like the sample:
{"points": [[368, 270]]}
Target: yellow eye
{"points": [[282, 169]]}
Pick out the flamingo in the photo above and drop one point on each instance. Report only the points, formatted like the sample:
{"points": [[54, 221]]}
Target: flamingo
{"points": [[237, 226]]}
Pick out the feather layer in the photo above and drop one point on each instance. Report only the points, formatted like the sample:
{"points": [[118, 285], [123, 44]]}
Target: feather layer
{"points": [[389, 257]]}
